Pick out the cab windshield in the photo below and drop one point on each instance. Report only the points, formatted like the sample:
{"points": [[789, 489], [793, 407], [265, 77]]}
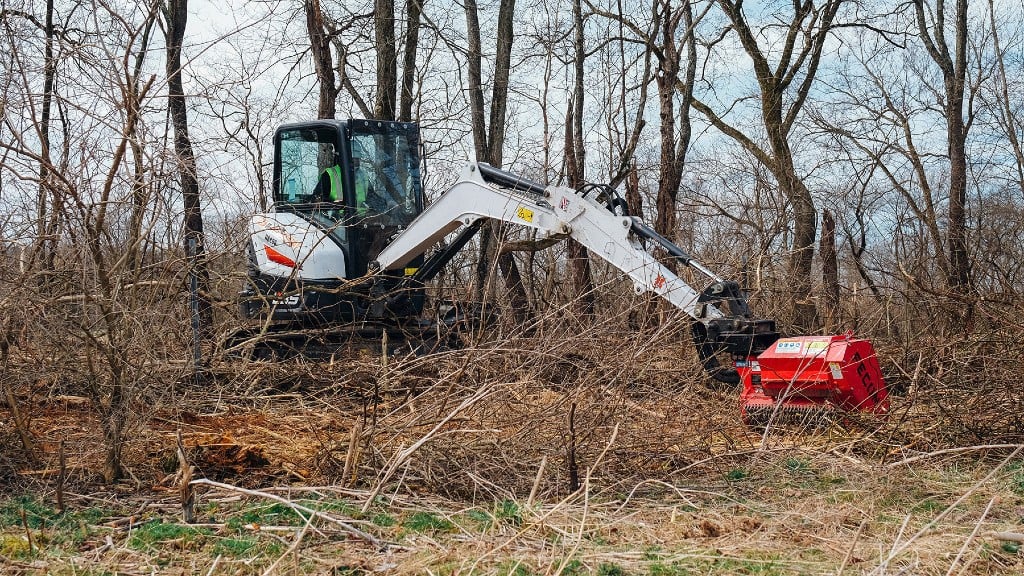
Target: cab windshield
{"points": [[386, 171]]}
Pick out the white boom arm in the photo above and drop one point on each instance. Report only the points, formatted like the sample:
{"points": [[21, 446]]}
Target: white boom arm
{"points": [[560, 211]]}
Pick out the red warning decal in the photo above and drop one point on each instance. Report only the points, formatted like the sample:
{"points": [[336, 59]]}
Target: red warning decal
{"points": [[279, 258]]}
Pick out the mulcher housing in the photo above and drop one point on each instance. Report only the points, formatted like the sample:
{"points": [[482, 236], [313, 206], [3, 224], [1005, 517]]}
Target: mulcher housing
{"points": [[811, 374]]}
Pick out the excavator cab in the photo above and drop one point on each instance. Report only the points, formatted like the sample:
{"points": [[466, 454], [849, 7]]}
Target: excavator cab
{"points": [[341, 190], [358, 178]]}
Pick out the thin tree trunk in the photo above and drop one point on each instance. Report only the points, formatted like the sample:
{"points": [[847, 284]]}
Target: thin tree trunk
{"points": [[829, 270], [954, 72], [575, 169], [48, 213], [488, 141], [413, 10], [176, 14]]}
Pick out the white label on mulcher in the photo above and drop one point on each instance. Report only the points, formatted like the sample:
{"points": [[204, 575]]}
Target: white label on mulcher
{"points": [[788, 346]]}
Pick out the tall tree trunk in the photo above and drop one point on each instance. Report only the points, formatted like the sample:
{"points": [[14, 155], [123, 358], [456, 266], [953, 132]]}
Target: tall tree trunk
{"points": [[413, 10], [387, 64], [673, 148], [323, 61], [488, 141], [48, 208], [575, 170], [954, 73], [784, 80], [176, 15]]}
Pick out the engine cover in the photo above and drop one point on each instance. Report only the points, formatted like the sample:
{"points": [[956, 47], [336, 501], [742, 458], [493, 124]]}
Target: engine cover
{"points": [[293, 246]]}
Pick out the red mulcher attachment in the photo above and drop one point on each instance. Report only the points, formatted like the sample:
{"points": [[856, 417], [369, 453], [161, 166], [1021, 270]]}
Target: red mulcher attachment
{"points": [[808, 376]]}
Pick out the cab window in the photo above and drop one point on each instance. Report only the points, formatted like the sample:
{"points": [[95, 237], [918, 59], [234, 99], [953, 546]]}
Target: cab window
{"points": [[305, 155]]}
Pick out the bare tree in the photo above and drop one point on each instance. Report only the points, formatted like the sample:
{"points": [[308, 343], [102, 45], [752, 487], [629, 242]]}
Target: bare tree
{"points": [[489, 140], [952, 63], [575, 170], [784, 87], [175, 19], [320, 35]]}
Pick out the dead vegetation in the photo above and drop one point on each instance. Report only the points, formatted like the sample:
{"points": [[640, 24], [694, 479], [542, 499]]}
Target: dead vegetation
{"points": [[564, 448]]}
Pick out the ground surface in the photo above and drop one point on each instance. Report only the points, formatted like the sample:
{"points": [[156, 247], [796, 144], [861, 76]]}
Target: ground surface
{"points": [[448, 468]]}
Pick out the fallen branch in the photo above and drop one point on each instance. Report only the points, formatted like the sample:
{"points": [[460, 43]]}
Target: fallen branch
{"points": [[955, 451], [369, 538]]}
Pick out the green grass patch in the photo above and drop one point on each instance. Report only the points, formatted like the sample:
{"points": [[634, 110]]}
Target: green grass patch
{"points": [[243, 546], [737, 474], [151, 534], [797, 465], [574, 568], [55, 529], [1017, 478], [426, 522], [609, 569], [271, 515], [508, 511], [37, 514], [928, 506], [383, 519], [482, 519]]}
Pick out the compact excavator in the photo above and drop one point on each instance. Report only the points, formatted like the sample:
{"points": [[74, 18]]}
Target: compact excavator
{"points": [[350, 244]]}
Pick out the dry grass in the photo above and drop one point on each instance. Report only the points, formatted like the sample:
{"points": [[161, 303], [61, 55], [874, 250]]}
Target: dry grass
{"points": [[561, 449]]}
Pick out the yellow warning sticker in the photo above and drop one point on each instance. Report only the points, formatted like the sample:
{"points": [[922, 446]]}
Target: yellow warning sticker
{"points": [[410, 271], [525, 213], [815, 347], [837, 370]]}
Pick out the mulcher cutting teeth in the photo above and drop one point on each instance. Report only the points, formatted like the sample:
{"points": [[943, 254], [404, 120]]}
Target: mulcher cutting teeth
{"points": [[761, 414]]}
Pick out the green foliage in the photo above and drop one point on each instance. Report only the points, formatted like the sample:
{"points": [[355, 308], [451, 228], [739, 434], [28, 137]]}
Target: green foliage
{"points": [[57, 529], [272, 515], [481, 518], [14, 546], [929, 506], [427, 522], [797, 465], [509, 511], [1017, 478], [37, 513], [574, 568], [235, 547]]}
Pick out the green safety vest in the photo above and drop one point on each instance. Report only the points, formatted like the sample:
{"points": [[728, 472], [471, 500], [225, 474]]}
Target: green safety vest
{"points": [[361, 192], [336, 186]]}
